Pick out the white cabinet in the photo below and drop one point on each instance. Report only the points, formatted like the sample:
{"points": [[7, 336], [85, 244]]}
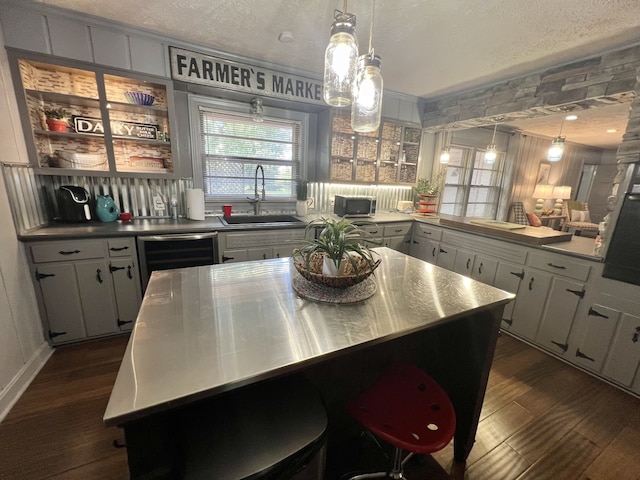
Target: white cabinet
{"points": [[446, 256], [484, 269], [397, 236], [508, 278], [86, 288], [425, 242], [624, 353], [259, 245], [589, 349], [463, 263], [530, 300]]}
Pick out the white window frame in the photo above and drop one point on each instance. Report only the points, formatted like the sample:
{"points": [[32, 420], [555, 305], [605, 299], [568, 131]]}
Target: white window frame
{"points": [[468, 168], [231, 107]]}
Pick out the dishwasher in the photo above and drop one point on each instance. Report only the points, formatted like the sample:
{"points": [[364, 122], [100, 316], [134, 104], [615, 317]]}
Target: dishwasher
{"points": [[181, 250]]}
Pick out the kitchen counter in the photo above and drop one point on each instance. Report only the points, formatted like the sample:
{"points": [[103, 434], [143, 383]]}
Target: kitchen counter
{"points": [[207, 330]]}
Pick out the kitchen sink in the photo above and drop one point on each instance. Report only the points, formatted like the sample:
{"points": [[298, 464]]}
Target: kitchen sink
{"points": [[244, 219]]}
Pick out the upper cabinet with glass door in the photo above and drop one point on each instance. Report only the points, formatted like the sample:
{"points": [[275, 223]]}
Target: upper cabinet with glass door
{"points": [[387, 156], [86, 121]]}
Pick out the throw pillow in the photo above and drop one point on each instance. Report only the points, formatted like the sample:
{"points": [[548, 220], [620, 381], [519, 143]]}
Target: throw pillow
{"points": [[580, 216], [534, 221]]}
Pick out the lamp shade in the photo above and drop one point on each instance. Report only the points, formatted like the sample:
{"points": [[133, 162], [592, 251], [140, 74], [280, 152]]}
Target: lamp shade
{"points": [[562, 191], [543, 191]]}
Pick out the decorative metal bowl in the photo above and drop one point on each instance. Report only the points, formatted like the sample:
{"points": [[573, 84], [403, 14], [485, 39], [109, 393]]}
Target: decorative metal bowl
{"points": [[314, 272], [140, 98]]}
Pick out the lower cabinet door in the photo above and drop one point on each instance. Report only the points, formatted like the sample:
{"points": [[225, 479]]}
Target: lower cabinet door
{"points": [[624, 353], [508, 278], [590, 350], [125, 287], [396, 243], [530, 301], [59, 290], [464, 262], [446, 256], [563, 300], [484, 269], [94, 284]]}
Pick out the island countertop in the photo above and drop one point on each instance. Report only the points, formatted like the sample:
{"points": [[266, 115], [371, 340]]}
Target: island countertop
{"points": [[205, 330]]}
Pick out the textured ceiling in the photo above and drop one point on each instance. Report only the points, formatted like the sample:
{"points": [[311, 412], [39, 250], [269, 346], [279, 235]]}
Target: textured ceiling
{"points": [[428, 47]]}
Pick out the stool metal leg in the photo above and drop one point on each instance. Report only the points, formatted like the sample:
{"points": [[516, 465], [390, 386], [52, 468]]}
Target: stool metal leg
{"points": [[395, 473]]}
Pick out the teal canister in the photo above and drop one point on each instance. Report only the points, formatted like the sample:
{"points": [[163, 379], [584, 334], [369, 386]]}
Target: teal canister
{"points": [[106, 209]]}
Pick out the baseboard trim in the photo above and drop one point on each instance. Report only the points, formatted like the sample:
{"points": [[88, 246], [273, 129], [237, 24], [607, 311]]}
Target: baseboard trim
{"points": [[12, 393]]}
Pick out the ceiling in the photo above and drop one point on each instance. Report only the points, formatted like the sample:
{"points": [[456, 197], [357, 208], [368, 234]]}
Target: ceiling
{"points": [[428, 47]]}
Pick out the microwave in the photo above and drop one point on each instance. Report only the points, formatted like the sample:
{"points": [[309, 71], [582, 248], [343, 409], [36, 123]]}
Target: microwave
{"points": [[353, 206]]}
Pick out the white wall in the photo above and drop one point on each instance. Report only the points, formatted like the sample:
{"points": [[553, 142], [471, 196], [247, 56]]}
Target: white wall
{"points": [[23, 350]]}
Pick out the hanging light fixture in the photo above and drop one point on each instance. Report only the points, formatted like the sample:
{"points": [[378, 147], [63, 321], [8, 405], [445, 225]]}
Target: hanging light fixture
{"points": [[340, 59], [366, 108], [257, 113], [557, 146], [446, 150], [492, 152]]}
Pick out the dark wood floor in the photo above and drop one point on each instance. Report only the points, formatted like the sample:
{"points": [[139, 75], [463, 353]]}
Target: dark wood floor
{"points": [[541, 420]]}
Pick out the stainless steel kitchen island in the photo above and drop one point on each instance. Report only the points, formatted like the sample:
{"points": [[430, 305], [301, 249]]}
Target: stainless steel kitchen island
{"points": [[204, 331]]}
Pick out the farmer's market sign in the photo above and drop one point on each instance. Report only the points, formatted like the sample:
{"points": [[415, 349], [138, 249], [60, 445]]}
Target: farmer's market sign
{"points": [[217, 72], [93, 126]]}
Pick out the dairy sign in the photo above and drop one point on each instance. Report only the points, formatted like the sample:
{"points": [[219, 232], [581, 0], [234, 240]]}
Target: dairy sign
{"points": [[212, 71], [93, 126]]}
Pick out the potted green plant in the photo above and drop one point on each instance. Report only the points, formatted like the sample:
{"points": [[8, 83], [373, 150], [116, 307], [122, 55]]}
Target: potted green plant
{"points": [[56, 119], [302, 200], [338, 251]]}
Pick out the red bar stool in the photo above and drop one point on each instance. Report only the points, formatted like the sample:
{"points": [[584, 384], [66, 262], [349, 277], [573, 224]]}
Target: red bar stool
{"points": [[406, 408]]}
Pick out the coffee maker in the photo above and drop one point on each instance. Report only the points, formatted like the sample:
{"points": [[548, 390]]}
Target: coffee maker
{"points": [[73, 204]]}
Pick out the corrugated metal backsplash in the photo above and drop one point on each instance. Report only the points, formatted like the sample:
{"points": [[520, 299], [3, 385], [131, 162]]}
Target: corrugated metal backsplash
{"points": [[33, 197]]}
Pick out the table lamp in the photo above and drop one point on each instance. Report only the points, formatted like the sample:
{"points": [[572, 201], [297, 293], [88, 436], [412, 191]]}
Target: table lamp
{"points": [[542, 192], [560, 193]]}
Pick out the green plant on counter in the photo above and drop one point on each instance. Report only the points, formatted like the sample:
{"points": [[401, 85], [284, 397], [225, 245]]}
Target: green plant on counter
{"points": [[301, 190], [339, 241], [426, 186], [56, 113]]}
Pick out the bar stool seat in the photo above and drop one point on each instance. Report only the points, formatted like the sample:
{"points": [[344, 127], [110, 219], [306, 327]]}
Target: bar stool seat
{"points": [[409, 410]]}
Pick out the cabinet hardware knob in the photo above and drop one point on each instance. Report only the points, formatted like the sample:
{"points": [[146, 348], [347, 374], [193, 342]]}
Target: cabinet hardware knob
{"points": [[579, 354], [433, 252], [113, 269], [468, 262], [560, 267], [416, 243], [98, 275], [636, 335], [595, 313], [56, 334], [398, 230], [264, 256], [278, 255], [480, 269], [579, 293], [226, 259], [68, 252], [118, 249], [124, 322], [520, 275], [508, 321], [531, 283], [44, 275], [129, 272], [563, 346], [443, 251]]}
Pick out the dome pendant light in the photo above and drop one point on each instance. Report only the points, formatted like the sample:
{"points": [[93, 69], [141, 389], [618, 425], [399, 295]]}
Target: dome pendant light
{"points": [[366, 108], [492, 152], [340, 59]]}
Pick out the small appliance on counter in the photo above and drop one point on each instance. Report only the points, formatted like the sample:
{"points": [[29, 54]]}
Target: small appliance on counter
{"points": [[353, 206], [106, 209], [73, 204]]}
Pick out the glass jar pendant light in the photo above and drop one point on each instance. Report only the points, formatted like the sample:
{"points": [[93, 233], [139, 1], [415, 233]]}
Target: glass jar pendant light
{"points": [[366, 108], [340, 59], [445, 155], [492, 152], [557, 145]]}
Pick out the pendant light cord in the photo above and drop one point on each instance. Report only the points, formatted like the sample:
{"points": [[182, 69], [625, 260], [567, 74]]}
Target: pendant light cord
{"points": [[561, 125], [493, 139], [373, 9]]}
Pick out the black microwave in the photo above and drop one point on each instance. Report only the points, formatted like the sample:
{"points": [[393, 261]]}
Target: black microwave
{"points": [[352, 206]]}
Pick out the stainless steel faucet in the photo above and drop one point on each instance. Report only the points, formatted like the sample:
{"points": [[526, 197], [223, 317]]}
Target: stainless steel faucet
{"points": [[255, 201]]}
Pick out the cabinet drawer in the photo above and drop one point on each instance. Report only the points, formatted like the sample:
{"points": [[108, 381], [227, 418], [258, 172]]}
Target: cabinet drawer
{"points": [[121, 247], [65, 251], [396, 230], [373, 230], [560, 266], [428, 231]]}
